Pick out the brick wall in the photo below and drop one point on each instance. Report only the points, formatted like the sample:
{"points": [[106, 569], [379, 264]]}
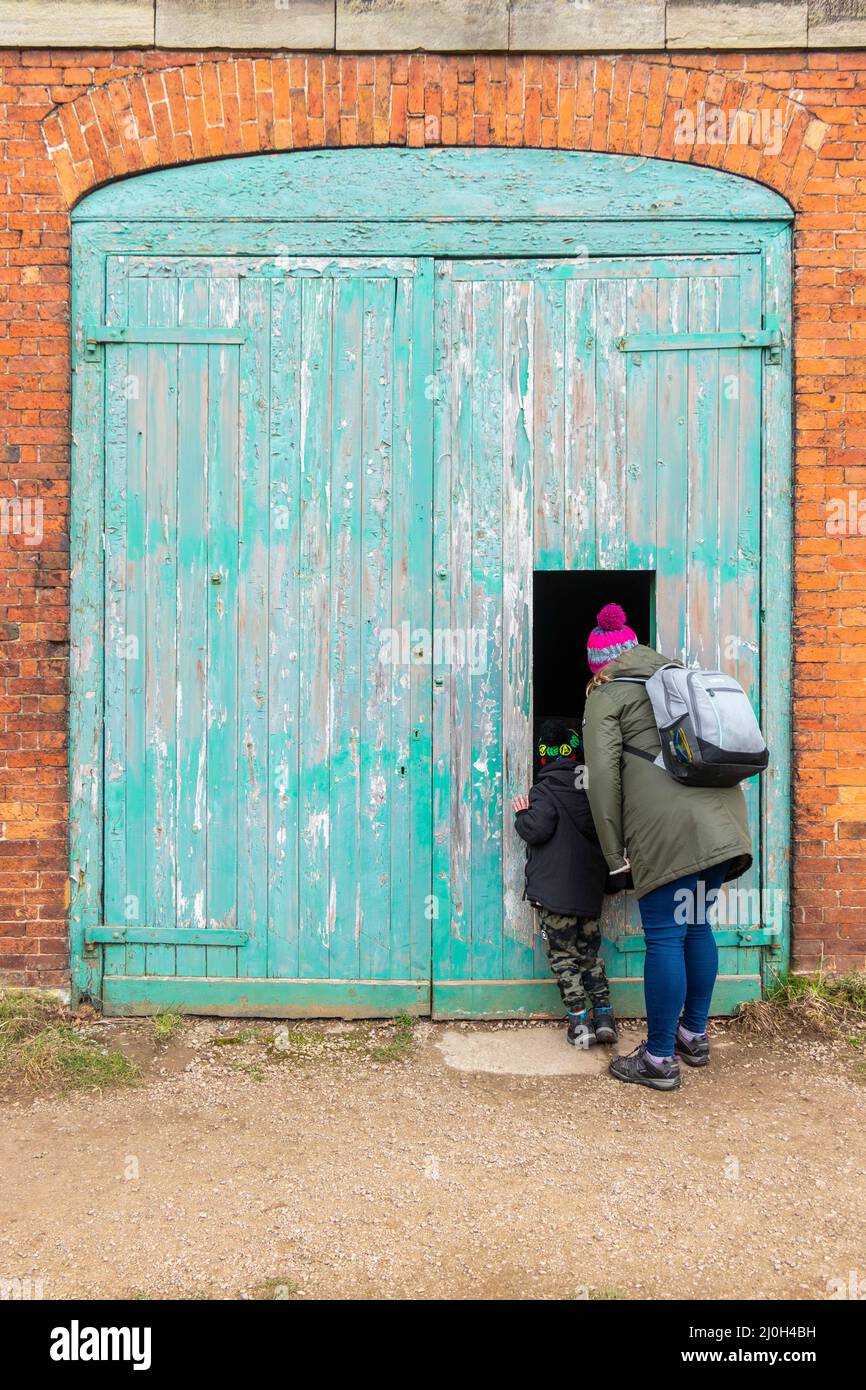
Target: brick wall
{"points": [[71, 120]]}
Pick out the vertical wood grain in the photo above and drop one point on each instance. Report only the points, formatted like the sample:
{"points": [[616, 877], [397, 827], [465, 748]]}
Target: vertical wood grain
{"points": [[192, 616], [222, 627]]}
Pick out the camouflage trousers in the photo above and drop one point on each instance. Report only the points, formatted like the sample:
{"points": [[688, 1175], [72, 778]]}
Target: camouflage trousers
{"points": [[573, 946]]}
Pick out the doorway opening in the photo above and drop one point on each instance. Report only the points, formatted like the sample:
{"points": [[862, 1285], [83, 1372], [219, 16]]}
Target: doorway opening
{"points": [[565, 605]]}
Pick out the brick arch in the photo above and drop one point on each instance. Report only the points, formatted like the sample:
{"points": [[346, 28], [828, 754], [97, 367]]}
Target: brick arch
{"points": [[246, 105]]}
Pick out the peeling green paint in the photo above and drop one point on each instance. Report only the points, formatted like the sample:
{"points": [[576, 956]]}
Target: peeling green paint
{"points": [[387, 414]]}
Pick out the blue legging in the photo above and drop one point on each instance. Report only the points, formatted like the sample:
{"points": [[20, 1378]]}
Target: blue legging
{"points": [[682, 959]]}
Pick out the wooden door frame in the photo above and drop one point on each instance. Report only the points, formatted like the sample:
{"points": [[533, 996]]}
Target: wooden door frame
{"points": [[414, 203]]}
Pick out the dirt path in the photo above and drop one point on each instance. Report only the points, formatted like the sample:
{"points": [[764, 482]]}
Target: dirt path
{"points": [[326, 1173]]}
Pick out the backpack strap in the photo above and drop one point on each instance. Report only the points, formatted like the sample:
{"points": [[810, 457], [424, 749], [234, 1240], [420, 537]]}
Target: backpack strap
{"points": [[642, 680], [639, 752], [629, 747]]}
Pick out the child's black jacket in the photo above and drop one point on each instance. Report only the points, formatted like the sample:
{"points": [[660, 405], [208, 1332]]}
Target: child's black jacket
{"points": [[565, 868]]}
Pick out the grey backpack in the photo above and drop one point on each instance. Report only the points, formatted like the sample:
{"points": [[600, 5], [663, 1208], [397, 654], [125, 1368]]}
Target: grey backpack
{"points": [[707, 727]]}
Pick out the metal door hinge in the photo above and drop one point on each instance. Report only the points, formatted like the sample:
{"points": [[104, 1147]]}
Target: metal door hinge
{"points": [[769, 338], [724, 936], [109, 935], [96, 335], [773, 354]]}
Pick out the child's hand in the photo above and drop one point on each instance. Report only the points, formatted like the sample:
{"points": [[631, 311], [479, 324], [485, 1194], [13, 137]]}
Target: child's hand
{"points": [[521, 803]]}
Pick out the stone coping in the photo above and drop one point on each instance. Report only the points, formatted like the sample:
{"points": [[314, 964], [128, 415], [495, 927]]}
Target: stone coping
{"points": [[454, 26]]}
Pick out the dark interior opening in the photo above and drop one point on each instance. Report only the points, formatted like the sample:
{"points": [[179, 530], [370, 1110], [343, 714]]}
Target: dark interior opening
{"points": [[565, 608]]}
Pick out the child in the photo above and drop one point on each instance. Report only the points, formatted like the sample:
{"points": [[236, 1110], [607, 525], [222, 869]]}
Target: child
{"points": [[565, 880]]}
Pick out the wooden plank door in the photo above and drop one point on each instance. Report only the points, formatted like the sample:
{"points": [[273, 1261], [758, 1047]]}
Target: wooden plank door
{"points": [[486, 953], [267, 716], [555, 449]]}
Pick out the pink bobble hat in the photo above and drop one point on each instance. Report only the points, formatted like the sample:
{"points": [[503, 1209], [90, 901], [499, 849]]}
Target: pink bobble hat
{"points": [[610, 639]]}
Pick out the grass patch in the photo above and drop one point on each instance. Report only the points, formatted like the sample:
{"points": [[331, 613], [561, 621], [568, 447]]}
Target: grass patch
{"points": [[166, 1023], [254, 1070], [298, 1042], [280, 1288], [387, 1042], [42, 1049], [235, 1039], [828, 1004], [396, 1047]]}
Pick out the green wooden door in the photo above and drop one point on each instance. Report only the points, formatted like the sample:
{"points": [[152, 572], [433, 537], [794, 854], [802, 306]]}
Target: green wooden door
{"points": [[559, 445], [328, 485], [270, 547], [266, 730]]}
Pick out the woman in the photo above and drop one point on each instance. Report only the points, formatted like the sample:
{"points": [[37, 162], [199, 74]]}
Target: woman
{"points": [[672, 838]]}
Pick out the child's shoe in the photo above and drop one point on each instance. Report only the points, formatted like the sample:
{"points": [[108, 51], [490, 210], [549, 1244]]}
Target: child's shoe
{"points": [[695, 1051], [581, 1032], [638, 1068], [604, 1024]]}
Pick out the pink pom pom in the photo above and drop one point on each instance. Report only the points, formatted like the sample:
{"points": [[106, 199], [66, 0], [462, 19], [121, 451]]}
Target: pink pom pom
{"points": [[611, 617]]}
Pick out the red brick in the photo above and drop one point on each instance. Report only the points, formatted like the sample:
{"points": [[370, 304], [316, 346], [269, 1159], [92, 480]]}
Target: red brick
{"points": [[114, 114]]}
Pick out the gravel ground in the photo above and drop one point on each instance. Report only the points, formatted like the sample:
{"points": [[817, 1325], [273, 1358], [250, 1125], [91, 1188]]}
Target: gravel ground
{"points": [[321, 1172]]}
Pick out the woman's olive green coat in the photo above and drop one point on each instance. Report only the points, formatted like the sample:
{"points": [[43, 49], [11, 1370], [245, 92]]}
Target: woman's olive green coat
{"points": [[667, 830]]}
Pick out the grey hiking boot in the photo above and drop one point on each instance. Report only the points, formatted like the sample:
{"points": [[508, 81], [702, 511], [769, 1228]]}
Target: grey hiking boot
{"points": [[695, 1053], [635, 1067]]}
